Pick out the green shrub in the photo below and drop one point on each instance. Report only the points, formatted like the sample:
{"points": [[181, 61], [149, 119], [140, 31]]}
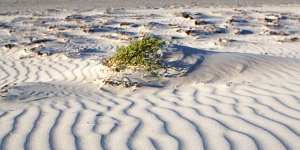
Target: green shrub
{"points": [[141, 54]]}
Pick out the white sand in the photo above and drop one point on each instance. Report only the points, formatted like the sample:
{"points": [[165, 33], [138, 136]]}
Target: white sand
{"points": [[244, 94], [88, 4]]}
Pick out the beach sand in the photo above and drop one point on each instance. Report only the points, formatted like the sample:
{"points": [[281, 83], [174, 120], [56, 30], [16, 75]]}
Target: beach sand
{"points": [[240, 88]]}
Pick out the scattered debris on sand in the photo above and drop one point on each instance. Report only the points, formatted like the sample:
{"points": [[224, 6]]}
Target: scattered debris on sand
{"points": [[186, 15], [125, 24], [123, 82], [236, 19], [204, 30], [10, 45], [224, 41], [191, 16], [88, 29], [213, 29], [201, 22], [39, 33], [272, 20], [39, 41], [239, 31], [288, 39], [128, 24], [187, 32], [41, 51], [77, 17], [268, 31]]}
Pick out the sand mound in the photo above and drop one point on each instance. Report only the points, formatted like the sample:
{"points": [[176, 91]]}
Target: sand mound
{"points": [[237, 67]]}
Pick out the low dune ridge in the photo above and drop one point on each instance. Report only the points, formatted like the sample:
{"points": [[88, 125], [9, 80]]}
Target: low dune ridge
{"points": [[229, 89]]}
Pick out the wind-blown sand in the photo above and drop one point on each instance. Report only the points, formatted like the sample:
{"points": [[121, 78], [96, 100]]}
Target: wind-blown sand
{"points": [[240, 91]]}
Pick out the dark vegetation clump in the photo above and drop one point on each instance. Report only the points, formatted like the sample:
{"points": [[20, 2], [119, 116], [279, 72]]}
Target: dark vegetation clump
{"points": [[142, 54], [10, 46]]}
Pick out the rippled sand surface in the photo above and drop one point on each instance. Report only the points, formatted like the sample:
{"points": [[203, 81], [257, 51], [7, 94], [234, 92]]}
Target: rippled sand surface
{"points": [[241, 89]]}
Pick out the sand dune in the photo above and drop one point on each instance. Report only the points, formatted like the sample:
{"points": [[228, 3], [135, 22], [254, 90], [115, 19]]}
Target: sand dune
{"points": [[241, 95]]}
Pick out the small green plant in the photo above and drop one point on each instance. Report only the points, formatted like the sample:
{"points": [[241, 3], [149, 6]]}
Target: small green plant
{"points": [[141, 54]]}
